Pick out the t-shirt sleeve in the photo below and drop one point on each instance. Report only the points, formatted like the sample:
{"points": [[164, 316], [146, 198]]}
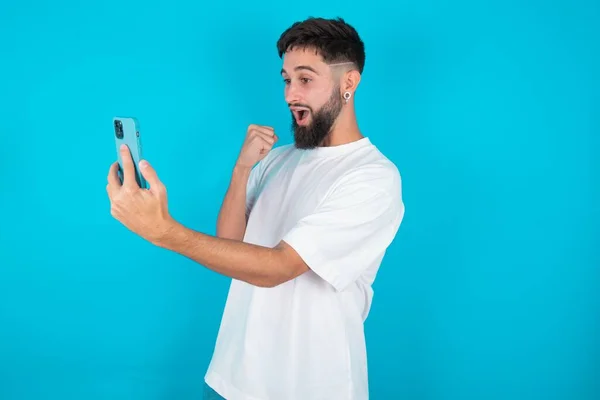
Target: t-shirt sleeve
{"points": [[353, 226]]}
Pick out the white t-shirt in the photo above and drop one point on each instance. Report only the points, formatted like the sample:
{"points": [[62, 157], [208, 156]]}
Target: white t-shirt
{"points": [[339, 207]]}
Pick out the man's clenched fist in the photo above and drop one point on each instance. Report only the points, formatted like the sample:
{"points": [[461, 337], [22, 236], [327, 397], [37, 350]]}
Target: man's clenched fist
{"points": [[259, 141]]}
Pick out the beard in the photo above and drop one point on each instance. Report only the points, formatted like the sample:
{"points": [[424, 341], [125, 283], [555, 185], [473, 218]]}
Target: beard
{"points": [[313, 134]]}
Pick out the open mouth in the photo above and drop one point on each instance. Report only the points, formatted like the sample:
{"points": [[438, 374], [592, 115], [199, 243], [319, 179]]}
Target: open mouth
{"points": [[301, 115]]}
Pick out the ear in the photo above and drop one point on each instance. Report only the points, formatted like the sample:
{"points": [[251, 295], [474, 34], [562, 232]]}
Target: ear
{"points": [[350, 81]]}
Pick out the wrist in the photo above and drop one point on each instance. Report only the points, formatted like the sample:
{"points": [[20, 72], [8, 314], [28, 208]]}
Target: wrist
{"points": [[241, 174], [167, 234], [242, 169]]}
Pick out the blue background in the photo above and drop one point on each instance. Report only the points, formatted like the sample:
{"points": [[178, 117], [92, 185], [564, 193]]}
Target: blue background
{"points": [[492, 287]]}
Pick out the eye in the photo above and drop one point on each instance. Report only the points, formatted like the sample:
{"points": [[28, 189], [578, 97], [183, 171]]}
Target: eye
{"points": [[305, 80], [286, 81]]}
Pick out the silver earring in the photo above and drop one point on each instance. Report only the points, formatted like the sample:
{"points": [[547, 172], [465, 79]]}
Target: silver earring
{"points": [[347, 96]]}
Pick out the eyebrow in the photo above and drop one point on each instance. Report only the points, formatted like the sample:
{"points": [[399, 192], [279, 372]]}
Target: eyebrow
{"points": [[301, 67]]}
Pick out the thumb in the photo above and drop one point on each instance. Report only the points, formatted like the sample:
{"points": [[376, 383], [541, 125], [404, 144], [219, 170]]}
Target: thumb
{"points": [[151, 176]]}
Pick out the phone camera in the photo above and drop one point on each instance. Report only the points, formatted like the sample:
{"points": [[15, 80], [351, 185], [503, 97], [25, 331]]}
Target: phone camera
{"points": [[119, 129]]}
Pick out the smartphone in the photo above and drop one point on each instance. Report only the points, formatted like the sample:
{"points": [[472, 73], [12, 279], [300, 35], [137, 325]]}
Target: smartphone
{"points": [[127, 131]]}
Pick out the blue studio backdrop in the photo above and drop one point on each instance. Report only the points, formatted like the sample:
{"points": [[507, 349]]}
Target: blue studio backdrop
{"points": [[490, 111]]}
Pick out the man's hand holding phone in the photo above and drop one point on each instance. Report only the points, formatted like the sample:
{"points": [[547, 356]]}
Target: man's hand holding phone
{"points": [[143, 211]]}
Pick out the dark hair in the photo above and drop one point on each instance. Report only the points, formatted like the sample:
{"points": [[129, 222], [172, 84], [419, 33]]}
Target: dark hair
{"points": [[334, 39]]}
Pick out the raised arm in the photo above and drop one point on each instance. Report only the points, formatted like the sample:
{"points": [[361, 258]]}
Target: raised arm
{"points": [[231, 222]]}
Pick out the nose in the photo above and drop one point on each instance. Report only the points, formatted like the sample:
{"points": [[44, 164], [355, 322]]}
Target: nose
{"points": [[291, 94]]}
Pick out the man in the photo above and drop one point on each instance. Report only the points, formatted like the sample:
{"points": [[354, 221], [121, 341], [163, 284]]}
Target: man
{"points": [[302, 231]]}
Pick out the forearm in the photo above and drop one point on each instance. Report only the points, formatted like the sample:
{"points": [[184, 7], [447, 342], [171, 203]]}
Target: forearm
{"points": [[257, 265], [231, 222]]}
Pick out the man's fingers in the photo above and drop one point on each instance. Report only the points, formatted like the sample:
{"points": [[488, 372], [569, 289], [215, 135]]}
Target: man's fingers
{"points": [[269, 138], [261, 127], [113, 175], [266, 130], [151, 176], [128, 167], [114, 183]]}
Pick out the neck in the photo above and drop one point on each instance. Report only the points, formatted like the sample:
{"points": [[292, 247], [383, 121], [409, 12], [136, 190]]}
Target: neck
{"points": [[345, 130]]}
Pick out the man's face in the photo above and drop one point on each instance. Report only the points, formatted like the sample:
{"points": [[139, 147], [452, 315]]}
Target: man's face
{"points": [[313, 96]]}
